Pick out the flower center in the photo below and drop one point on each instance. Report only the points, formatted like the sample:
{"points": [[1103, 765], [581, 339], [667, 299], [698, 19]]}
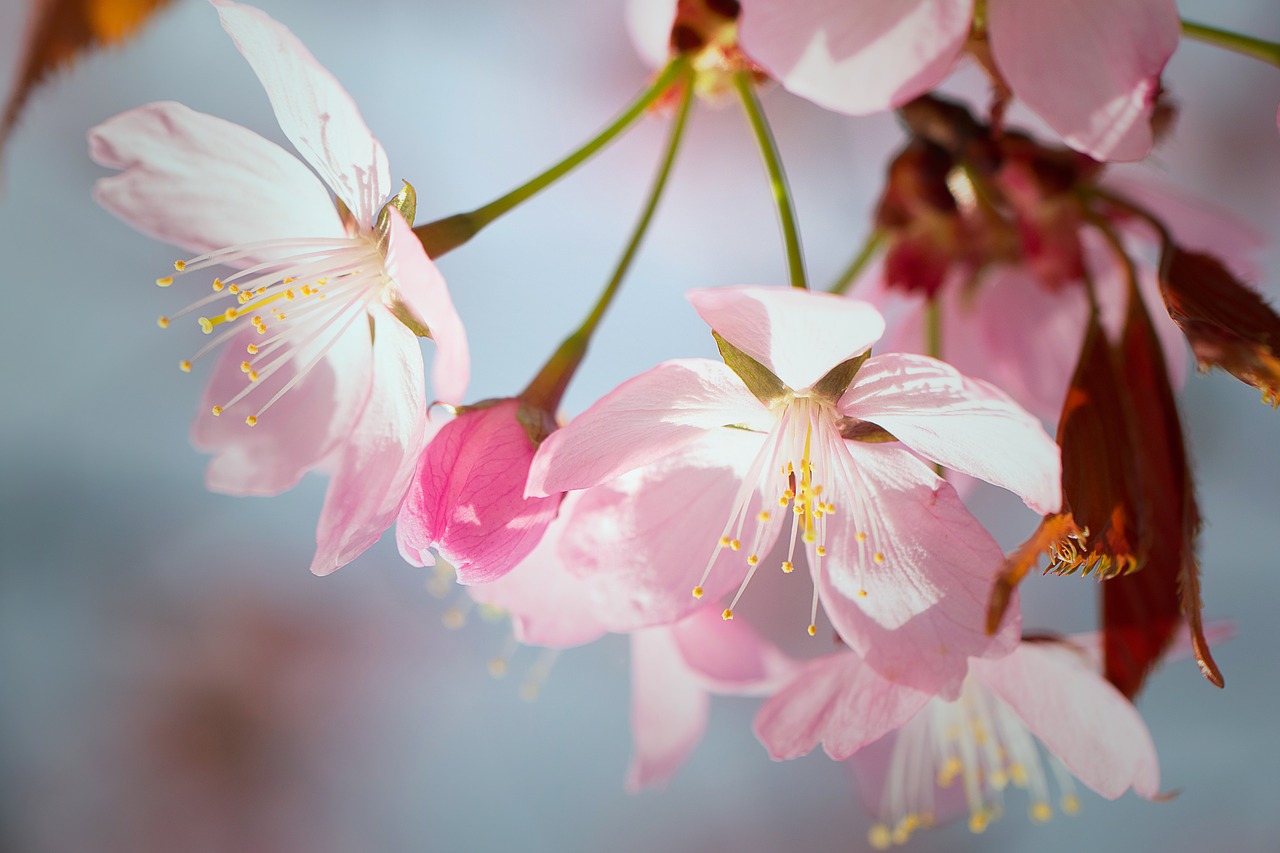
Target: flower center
{"points": [[298, 295], [980, 741], [788, 479]]}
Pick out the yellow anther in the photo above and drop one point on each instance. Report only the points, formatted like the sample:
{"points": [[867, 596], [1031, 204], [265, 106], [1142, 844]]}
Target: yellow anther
{"points": [[878, 557], [233, 288], [229, 314], [978, 822], [734, 544], [862, 593], [245, 367], [727, 614], [1040, 812], [753, 560], [829, 508], [901, 834], [879, 837], [184, 366], [1070, 804], [243, 299], [252, 420], [217, 410], [252, 349], [860, 536], [162, 322], [165, 282], [788, 567], [813, 630], [762, 516], [497, 667], [288, 280], [179, 265], [253, 376], [206, 325], [1018, 774], [697, 592], [782, 501], [321, 282], [218, 285], [789, 494], [724, 541], [288, 294], [822, 550], [950, 770]]}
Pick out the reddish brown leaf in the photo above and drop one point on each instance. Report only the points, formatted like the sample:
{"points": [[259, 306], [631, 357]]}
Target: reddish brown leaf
{"points": [[1229, 325], [61, 30], [1140, 612]]}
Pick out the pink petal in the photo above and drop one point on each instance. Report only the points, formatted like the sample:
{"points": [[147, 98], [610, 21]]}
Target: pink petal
{"points": [[548, 604], [203, 183], [964, 424], [298, 432], [467, 498], [421, 288], [313, 109], [925, 605], [643, 420], [1196, 223], [1032, 336], [668, 709], [1078, 716], [797, 334], [730, 656], [649, 24], [375, 464], [1090, 68], [644, 539], [856, 56], [837, 701]]}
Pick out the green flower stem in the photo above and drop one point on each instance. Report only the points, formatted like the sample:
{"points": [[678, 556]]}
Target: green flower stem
{"points": [[446, 234], [933, 346], [859, 263], [743, 82], [549, 385], [1267, 51]]}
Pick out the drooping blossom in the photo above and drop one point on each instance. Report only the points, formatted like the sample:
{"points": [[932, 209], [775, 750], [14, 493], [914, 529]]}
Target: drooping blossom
{"points": [[320, 366], [1091, 69], [928, 758], [832, 441], [467, 497]]}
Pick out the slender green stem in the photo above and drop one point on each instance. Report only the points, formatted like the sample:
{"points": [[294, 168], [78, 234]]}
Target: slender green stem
{"points": [[859, 263], [446, 234], [743, 82], [1267, 51], [549, 385]]}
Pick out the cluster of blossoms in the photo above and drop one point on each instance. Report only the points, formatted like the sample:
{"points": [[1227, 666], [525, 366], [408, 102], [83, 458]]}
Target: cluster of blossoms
{"points": [[1008, 282]]}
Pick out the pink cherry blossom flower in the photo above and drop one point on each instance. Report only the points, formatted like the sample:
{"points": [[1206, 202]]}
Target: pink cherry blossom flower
{"points": [[985, 738], [832, 442], [1090, 69], [320, 351], [467, 498]]}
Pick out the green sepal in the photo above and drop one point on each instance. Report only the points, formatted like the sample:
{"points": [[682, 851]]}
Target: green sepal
{"points": [[832, 386], [856, 430], [760, 381]]}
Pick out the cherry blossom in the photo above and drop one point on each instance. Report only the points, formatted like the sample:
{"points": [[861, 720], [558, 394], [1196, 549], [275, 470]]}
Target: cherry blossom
{"points": [[317, 322], [832, 440], [1090, 69]]}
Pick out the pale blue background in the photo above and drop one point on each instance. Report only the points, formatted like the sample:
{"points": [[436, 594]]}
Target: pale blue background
{"points": [[117, 564]]}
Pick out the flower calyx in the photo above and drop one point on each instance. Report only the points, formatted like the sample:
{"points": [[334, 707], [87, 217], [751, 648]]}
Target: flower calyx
{"points": [[770, 390]]}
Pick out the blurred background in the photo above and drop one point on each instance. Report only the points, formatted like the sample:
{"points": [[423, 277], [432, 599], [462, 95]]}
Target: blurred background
{"points": [[172, 677]]}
